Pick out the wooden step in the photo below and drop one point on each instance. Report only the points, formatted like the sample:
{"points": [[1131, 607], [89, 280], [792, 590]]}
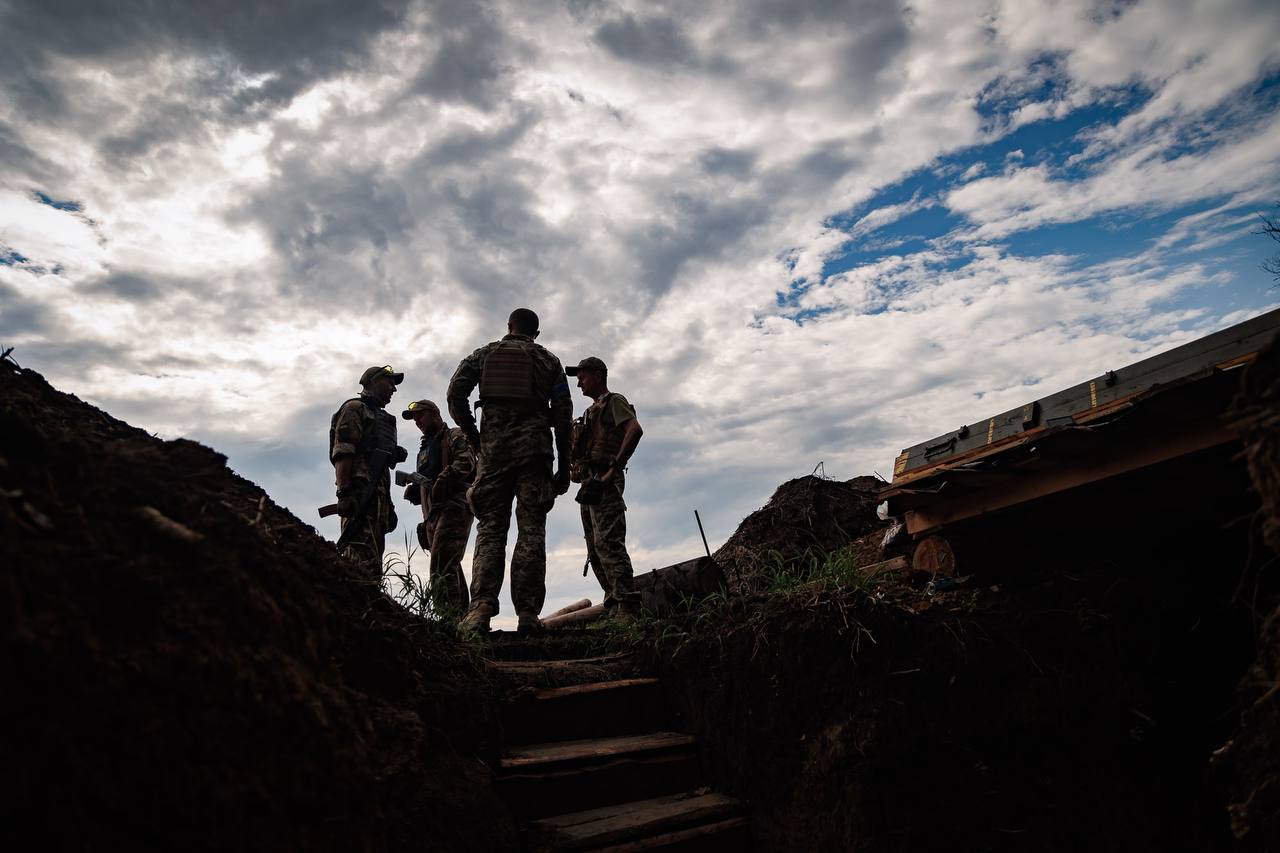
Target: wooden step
{"points": [[538, 793], [561, 673], [723, 836], [549, 756], [593, 710], [633, 823]]}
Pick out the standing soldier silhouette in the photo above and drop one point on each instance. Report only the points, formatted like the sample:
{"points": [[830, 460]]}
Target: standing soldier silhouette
{"points": [[446, 467], [524, 398], [607, 437], [361, 432]]}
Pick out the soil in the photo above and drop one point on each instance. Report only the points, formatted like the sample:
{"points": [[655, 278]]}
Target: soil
{"points": [[189, 666], [1070, 696], [1250, 760], [807, 514]]}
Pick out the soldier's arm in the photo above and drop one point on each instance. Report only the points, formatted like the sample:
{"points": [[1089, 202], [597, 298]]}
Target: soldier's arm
{"points": [[630, 438], [462, 462], [561, 414], [464, 380], [348, 431]]}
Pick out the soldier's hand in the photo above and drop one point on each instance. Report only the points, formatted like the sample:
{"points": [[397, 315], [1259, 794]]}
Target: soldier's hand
{"points": [[561, 481], [424, 539], [413, 494], [346, 507], [400, 455]]}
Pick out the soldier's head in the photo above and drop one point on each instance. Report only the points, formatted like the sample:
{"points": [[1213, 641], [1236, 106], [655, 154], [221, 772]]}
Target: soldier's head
{"points": [[523, 322], [380, 383], [593, 376], [425, 414]]}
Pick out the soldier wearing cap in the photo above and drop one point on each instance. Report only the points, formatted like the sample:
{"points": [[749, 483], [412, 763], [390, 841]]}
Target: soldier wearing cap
{"points": [[357, 431], [525, 399], [447, 468], [604, 438]]}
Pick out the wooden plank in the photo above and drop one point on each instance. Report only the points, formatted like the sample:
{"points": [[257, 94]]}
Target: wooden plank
{"points": [[576, 617], [594, 748], [580, 604], [553, 693], [669, 839], [897, 564], [636, 820], [1114, 460]]}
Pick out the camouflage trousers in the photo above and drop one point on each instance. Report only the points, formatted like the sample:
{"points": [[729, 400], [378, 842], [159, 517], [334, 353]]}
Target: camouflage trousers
{"points": [[605, 528], [449, 529], [366, 547], [529, 484]]}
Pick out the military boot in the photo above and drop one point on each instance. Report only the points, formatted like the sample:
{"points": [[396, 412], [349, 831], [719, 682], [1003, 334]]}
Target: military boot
{"points": [[477, 619], [529, 625]]}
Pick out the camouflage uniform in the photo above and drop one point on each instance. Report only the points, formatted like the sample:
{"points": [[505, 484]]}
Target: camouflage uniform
{"points": [[515, 462], [605, 524], [446, 513], [354, 432]]}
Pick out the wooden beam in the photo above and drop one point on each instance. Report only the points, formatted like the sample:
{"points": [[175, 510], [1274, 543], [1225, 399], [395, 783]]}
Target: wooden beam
{"points": [[1107, 463]]}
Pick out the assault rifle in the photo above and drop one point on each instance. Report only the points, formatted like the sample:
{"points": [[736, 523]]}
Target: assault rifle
{"points": [[356, 509]]}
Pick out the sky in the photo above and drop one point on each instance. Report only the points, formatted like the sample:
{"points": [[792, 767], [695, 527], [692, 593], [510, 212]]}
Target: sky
{"points": [[797, 232]]}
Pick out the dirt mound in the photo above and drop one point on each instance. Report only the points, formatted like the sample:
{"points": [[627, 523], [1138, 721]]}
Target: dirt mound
{"points": [[1252, 758], [805, 514], [190, 666]]}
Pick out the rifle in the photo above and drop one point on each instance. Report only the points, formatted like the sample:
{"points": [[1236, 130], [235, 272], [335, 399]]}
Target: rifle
{"points": [[405, 478], [359, 507]]}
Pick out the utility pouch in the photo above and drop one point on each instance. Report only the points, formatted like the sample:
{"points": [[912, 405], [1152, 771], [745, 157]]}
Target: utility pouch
{"points": [[590, 493]]}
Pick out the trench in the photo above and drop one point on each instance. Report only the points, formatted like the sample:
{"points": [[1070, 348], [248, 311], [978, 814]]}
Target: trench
{"points": [[1070, 696]]}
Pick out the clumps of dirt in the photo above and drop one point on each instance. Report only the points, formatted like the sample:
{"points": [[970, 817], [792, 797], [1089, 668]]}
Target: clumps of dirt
{"points": [[806, 515], [189, 666], [1251, 760]]}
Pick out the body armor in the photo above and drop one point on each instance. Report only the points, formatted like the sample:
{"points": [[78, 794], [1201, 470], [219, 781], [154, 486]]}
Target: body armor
{"points": [[381, 437], [593, 442], [507, 374]]}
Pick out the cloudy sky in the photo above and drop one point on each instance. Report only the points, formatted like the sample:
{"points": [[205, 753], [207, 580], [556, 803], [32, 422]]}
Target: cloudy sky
{"points": [[798, 232]]}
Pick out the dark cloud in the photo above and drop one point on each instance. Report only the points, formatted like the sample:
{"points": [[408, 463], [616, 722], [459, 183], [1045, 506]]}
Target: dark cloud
{"points": [[295, 41], [648, 41], [728, 161], [315, 213], [474, 56], [21, 316], [695, 227]]}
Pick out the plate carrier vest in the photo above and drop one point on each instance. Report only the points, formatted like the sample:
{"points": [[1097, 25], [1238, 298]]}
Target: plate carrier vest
{"points": [[508, 373], [381, 437]]}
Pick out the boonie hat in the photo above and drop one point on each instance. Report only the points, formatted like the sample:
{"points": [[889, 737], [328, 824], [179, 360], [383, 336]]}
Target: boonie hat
{"points": [[416, 407], [372, 373], [588, 363]]}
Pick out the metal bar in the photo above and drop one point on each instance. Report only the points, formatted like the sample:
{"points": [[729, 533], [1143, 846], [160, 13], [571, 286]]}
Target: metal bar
{"points": [[705, 547]]}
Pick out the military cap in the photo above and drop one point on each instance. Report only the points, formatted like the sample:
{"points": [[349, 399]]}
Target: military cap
{"points": [[372, 373], [417, 407], [588, 363]]}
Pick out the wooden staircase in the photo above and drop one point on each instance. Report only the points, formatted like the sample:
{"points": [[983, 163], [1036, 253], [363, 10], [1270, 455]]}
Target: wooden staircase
{"points": [[591, 764]]}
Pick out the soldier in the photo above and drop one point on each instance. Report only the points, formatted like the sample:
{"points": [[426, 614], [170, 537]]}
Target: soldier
{"points": [[357, 431], [447, 469], [604, 439], [525, 398]]}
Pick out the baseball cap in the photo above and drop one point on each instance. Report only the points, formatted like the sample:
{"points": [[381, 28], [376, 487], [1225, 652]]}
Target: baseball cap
{"points": [[417, 406], [372, 373], [588, 363]]}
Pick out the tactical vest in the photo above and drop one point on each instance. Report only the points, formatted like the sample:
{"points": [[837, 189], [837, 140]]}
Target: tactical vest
{"points": [[508, 373], [381, 437], [604, 442]]}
